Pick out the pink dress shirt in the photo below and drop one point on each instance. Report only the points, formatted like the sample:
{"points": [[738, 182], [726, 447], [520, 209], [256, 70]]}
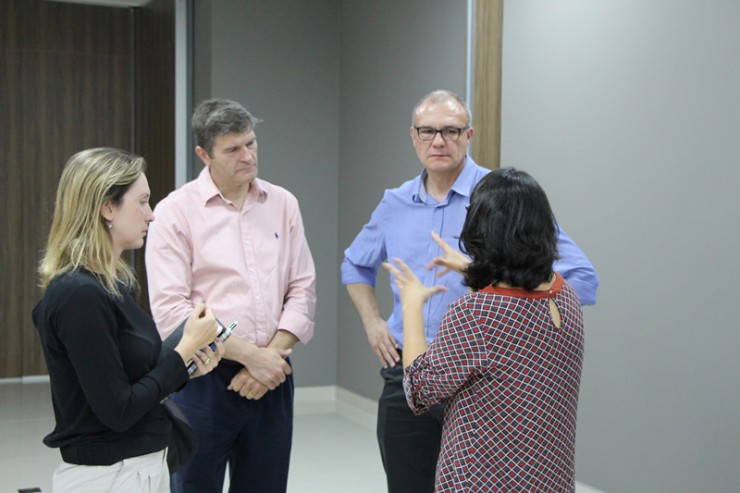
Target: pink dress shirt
{"points": [[251, 265]]}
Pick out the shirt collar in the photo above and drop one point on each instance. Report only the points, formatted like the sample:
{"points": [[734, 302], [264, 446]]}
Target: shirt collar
{"points": [[557, 285], [208, 189], [462, 186]]}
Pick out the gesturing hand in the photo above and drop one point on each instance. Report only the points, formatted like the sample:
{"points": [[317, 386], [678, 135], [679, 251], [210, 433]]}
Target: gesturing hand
{"points": [[451, 259], [411, 290]]}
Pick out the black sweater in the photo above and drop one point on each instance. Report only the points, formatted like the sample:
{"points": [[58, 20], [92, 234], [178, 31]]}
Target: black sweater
{"points": [[107, 379]]}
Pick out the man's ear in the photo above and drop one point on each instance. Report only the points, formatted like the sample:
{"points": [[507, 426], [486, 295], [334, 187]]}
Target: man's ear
{"points": [[203, 155], [106, 210]]}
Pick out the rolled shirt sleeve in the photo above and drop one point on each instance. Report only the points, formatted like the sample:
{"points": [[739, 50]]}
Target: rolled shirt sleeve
{"points": [[576, 268], [367, 251]]}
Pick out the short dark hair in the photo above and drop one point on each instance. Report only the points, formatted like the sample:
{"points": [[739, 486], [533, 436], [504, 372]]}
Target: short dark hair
{"points": [[216, 117], [510, 232]]}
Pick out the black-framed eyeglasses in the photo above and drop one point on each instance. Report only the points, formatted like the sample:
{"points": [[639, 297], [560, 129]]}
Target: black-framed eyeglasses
{"points": [[449, 134]]}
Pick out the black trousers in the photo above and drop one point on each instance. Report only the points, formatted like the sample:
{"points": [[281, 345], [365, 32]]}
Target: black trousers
{"points": [[409, 444]]}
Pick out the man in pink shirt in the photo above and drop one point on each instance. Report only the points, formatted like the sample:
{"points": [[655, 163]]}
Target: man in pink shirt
{"points": [[237, 242]]}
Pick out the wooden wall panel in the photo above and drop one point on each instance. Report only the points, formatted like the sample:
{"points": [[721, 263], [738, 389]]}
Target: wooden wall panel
{"points": [[65, 85], [155, 106], [487, 82]]}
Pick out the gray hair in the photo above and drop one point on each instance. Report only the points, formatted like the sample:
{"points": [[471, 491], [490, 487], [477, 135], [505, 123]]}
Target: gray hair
{"points": [[442, 96], [216, 117]]}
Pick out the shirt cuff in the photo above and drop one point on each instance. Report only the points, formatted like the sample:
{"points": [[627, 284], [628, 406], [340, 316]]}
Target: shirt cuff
{"points": [[352, 274], [297, 324]]}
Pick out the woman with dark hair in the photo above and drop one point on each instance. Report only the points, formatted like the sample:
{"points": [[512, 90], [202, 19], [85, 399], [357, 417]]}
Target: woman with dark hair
{"points": [[507, 359]]}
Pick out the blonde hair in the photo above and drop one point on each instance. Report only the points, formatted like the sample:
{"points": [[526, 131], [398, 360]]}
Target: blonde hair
{"points": [[79, 236]]}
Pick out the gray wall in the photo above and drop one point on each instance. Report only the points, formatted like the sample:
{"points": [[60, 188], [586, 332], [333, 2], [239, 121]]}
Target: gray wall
{"points": [[334, 83], [280, 59], [393, 52], [628, 113]]}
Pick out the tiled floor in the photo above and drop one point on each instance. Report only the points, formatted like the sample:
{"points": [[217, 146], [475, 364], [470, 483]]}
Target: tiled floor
{"points": [[334, 447]]}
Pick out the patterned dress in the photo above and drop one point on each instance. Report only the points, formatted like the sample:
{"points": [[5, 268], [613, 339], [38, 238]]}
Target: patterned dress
{"points": [[510, 380]]}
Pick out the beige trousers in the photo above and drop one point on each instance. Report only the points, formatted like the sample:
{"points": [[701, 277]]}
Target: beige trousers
{"points": [[144, 474]]}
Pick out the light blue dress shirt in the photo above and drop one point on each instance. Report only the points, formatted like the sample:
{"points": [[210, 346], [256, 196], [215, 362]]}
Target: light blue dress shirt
{"points": [[401, 226]]}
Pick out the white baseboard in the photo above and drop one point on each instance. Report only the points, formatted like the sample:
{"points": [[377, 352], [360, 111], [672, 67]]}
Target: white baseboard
{"points": [[315, 400], [351, 406], [584, 488], [356, 408], [26, 379]]}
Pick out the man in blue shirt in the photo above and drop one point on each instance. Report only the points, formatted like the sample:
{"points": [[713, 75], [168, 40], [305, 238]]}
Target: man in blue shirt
{"points": [[401, 226]]}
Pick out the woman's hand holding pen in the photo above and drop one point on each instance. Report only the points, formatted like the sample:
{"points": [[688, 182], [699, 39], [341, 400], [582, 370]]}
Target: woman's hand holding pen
{"points": [[208, 357], [200, 331]]}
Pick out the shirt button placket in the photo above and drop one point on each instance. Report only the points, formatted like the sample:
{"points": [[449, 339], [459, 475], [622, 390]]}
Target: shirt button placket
{"points": [[430, 278]]}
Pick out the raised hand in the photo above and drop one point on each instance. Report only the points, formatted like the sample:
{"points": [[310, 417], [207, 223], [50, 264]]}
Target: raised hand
{"points": [[411, 290], [450, 259]]}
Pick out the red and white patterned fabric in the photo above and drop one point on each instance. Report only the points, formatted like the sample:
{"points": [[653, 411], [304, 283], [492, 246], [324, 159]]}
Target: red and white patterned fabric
{"points": [[510, 380]]}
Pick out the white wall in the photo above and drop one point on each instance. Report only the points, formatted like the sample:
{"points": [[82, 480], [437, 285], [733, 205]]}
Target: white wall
{"points": [[628, 113]]}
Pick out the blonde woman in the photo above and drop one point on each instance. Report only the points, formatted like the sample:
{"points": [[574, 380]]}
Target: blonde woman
{"points": [[102, 351]]}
